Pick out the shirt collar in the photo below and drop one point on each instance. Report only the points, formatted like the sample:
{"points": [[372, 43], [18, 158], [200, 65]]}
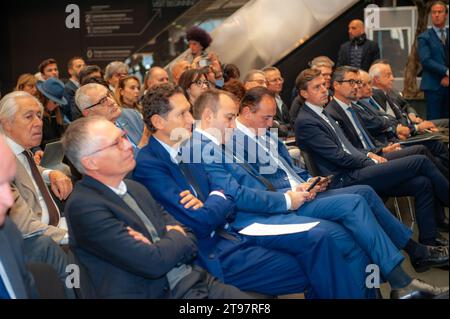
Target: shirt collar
{"points": [[77, 84], [16, 148], [121, 190], [173, 152], [208, 135]]}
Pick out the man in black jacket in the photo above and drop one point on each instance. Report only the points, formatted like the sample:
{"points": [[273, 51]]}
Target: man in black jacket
{"points": [[359, 52]]}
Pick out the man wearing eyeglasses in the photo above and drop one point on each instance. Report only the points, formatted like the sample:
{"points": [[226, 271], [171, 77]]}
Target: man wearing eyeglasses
{"points": [[131, 247], [319, 134], [282, 119], [253, 79]]}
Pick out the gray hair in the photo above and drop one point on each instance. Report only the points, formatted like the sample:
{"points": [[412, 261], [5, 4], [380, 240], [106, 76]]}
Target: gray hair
{"points": [[375, 71], [77, 140], [9, 107], [251, 73], [82, 96], [115, 67]]}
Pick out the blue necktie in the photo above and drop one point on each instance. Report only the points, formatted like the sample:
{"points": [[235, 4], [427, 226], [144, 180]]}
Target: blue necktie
{"points": [[366, 137], [3, 292]]}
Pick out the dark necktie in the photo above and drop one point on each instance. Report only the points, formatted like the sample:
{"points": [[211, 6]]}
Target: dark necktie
{"points": [[51, 207], [184, 168], [375, 104], [3, 292], [366, 137], [250, 170]]}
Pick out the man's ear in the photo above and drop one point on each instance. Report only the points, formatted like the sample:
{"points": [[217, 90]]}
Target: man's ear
{"points": [[6, 125], [304, 94]]}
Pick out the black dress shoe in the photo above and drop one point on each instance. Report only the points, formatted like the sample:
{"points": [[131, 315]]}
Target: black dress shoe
{"points": [[418, 289], [437, 257]]}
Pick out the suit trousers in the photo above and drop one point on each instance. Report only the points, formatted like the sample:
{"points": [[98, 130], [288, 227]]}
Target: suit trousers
{"points": [[43, 249], [328, 244], [413, 176]]}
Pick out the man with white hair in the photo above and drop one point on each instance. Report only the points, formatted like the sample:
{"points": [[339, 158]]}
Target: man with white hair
{"points": [[114, 72], [34, 210]]}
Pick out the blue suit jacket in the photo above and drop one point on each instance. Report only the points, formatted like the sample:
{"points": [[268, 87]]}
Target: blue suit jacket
{"points": [[314, 135], [433, 59], [252, 199], [120, 266], [259, 160], [164, 179], [14, 261]]}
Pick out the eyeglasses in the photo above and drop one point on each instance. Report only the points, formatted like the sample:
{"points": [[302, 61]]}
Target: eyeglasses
{"points": [[281, 80], [119, 142], [352, 82], [102, 101], [199, 83]]}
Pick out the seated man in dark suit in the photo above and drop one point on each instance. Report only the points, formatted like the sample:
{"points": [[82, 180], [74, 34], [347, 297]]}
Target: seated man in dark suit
{"points": [[15, 280], [341, 109], [187, 193], [384, 95], [74, 66], [130, 246], [414, 175]]}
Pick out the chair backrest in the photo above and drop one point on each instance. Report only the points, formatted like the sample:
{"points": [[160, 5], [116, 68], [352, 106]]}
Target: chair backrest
{"points": [[309, 162]]}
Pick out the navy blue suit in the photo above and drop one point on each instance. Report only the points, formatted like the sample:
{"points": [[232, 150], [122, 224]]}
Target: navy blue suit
{"points": [[341, 117], [122, 267], [434, 59], [414, 175], [235, 259], [255, 204]]}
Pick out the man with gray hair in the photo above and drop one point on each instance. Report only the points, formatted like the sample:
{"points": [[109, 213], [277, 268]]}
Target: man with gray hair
{"points": [[34, 210], [131, 247], [114, 72]]}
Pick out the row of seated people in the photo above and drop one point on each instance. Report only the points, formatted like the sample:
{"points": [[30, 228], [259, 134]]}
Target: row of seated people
{"points": [[125, 234]]}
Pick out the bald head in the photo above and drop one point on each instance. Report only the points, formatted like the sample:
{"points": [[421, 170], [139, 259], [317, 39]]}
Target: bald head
{"points": [[355, 29], [7, 172]]}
